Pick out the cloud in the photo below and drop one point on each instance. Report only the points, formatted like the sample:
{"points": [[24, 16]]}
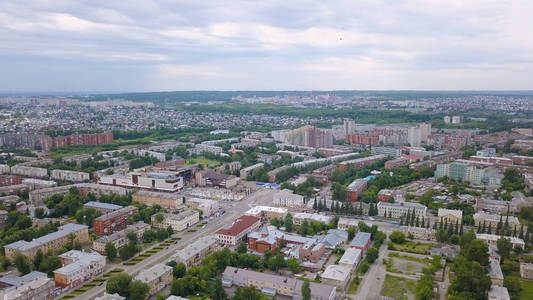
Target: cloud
{"points": [[270, 44]]}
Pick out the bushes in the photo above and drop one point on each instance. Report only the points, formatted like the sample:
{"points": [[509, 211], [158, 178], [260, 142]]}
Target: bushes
{"points": [[397, 237]]}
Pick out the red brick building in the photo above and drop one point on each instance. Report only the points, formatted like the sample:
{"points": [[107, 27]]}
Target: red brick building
{"points": [[355, 189], [114, 221], [360, 162], [394, 163], [83, 139], [6, 180]]}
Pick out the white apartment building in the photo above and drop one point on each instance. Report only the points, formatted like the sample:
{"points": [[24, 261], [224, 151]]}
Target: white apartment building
{"points": [[245, 172], [287, 198], [194, 253], [267, 212], [78, 267], [300, 218], [68, 175], [201, 148], [178, 222], [398, 210], [29, 171], [492, 239]]}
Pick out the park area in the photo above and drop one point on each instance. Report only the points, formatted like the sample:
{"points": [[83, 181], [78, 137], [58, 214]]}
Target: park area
{"points": [[404, 264]]}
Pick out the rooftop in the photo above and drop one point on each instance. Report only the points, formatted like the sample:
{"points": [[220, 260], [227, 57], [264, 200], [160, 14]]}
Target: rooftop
{"points": [[351, 256], [80, 260], [156, 271], [240, 225], [336, 272], [102, 205], [63, 231], [361, 239]]}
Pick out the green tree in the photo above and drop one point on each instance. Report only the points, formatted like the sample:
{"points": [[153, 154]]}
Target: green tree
{"points": [[119, 283], [294, 265], [247, 293], [512, 283], [351, 233], [289, 226], [372, 254], [110, 250], [138, 290], [306, 290], [397, 237], [217, 292], [22, 263], [38, 259], [504, 247]]}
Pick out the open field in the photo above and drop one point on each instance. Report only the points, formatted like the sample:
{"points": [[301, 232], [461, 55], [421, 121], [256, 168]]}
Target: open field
{"points": [[398, 288], [527, 289], [411, 247]]}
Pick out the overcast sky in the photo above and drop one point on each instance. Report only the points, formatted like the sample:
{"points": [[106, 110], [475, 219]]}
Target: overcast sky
{"points": [[136, 45]]}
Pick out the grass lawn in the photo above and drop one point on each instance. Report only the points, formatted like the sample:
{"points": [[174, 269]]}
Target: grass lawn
{"points": [[398, 288], [202, 160], [527, 289], [352, 289], [411, 247]]}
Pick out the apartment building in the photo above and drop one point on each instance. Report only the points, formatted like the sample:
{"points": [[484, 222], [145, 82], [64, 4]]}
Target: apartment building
{"points": [[68, 175], [419, 233], [206, 206], [157, 277], [78, 267], [165, 200], [29, 171], [397, 162], [120, 239], [7, 179], [245, 172], [233, 234], [34, 285], [360, 162], [194, 253], [346, 223], [102, 207], [492, 239], [397, 210], [300, 218], [450, 216], [487, 219], [273, 285], [267, 212], [201, 148], [37, 196], [387, 151], [178, 222], [52, 241], [287, 198], [34, 183], [114, 221], [355, 189]]}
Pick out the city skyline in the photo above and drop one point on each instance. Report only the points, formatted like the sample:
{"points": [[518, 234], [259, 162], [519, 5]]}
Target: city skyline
{"points": [[147, 46]]}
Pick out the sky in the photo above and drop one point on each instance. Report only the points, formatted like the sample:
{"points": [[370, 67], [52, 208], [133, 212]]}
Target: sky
{"points": [[141, 45]]}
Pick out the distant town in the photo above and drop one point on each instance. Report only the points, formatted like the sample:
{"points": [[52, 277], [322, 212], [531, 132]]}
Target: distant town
{"points": [[309, 195]]}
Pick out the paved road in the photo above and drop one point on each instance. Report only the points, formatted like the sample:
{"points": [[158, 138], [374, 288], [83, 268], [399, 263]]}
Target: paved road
{"points": [[233, 211], [373, 279]]}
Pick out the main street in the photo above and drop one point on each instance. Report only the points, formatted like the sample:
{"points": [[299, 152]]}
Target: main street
{"points": [[233, 211]]}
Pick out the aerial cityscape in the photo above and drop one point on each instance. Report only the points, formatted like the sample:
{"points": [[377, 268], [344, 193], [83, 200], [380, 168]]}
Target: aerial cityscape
{"points": [[250, 151]]}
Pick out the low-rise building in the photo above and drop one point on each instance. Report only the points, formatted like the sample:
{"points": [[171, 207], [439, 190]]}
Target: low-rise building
{"points": [[450, 216], [194, 253], [206, 206], [52, 241], [492, 239], [34, 183], [78, 267], [29, 171], [165, 200], [245, 172], [337, 276], [526, 270], [355, 189], [37, 196], [68, 175], [351, 258], [398, 210], [311, 251], [178, 222], [7, 179], [495, 272], [157, 277], [498, 293], [210, 178], [267, 212], [120, 239], [107, 296], [287, 198], [300, 218], [419, 233], [34, 285], [361, 241], [273, 285], [114, 221], [346, 223], [237, 231], [397, 162], [101, 206], [486, 219]]}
